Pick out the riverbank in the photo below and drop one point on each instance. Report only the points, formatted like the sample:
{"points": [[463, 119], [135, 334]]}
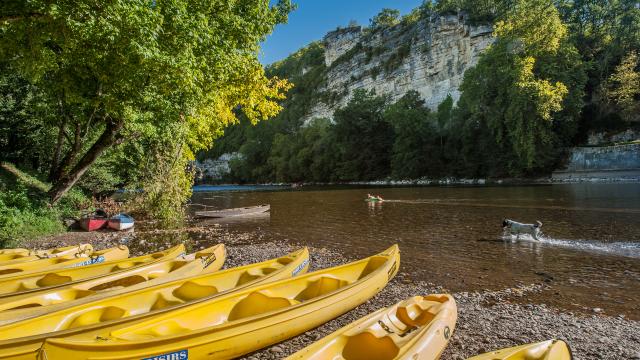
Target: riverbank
{"points": [[487, 320], [602, 177]]}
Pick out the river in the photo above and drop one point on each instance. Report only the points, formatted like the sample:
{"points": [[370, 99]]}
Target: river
{"points": [[451, 236]]}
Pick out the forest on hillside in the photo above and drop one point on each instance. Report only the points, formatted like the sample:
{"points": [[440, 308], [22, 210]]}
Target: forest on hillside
{"points": [[557, 71]]}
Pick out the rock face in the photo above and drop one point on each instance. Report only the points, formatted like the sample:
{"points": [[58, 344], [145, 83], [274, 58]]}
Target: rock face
{"points": [[214, 170], [429, 57]]}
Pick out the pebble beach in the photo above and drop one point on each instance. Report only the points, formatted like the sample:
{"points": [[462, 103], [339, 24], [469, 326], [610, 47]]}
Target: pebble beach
{"points": [[487, 320]]}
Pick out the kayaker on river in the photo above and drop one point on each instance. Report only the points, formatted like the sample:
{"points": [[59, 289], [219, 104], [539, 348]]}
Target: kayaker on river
{"points": [[374, 198]]}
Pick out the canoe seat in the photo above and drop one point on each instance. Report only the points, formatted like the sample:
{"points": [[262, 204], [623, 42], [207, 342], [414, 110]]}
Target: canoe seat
{"points": [[124, 282], [372, 265], [72, 294], [161, 303], [95, 316], [192, 291], [52, 279], [285, 260], [129, 264], [175, 265], [365, 346], [246, 277], [322, 286], [414, 315], [257, 303], [254, 274]]}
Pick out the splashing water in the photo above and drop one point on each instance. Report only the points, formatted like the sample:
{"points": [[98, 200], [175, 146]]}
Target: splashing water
{"points": [[621, 248]]}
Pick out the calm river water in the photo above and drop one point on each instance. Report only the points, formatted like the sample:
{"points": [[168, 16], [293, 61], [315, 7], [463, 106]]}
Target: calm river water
{"points": [[451, 236]]}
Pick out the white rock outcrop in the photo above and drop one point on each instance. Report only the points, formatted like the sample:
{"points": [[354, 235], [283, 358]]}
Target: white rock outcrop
{"points": [[429, 57]]}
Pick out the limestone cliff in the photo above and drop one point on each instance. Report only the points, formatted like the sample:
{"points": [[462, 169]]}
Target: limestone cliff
{"points": [[428, 56]]}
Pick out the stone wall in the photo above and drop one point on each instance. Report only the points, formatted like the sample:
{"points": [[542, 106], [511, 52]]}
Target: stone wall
{"points": [[429, 57], [619, 161]]}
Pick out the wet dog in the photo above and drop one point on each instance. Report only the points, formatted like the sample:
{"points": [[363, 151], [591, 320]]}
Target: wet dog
{"points": [[516, 228]]}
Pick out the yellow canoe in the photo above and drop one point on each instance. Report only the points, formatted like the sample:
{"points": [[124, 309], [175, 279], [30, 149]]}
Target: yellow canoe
{"points": [[417, 328], [545, 350], [24, 338], [34, 281], [237, 323], [15, 256], [48, 301], [74, 260]]}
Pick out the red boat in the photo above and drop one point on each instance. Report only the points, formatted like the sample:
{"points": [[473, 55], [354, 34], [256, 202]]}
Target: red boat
{"points": [[94, 221]]}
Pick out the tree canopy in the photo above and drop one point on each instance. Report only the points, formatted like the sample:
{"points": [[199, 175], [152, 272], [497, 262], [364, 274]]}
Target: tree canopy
{"points": [[117, 71]]}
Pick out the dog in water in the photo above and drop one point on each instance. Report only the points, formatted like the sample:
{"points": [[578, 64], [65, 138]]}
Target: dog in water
{"points": [[516, 228]]}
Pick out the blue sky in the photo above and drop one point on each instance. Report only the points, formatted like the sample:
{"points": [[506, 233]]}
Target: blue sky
{"points": [[314, 18]]}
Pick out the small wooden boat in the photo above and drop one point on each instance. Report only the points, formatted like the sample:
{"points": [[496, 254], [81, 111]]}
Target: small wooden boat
{"points": [[232, 324], [418, 328], [121, 221], [94, 221], [545, 350], [235, 212]]}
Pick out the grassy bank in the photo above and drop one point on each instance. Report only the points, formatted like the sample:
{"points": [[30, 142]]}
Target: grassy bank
{"points": [[24, 210]]}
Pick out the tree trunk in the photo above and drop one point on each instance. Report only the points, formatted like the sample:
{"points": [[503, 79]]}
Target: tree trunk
{"points": [[55, 160], [69, 158], [107, 139]]}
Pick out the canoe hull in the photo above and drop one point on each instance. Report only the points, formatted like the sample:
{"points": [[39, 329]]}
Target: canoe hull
{"points": [[27, 255], [91, 224], [547, 350], [119, 225], [242, 333], [27, 346], [73, 301], [120, 222], [418, 328], [17, 286], [67, 261]]}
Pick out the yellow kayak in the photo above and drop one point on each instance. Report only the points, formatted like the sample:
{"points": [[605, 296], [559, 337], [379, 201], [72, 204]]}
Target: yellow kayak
{"points": [[34, 281], [546, 350], [417, 328], [24, 338], [66, 261], [47, 301], [237, 323], [15, 256]]}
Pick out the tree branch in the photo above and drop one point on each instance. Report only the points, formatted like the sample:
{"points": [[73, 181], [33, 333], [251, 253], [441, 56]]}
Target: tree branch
{"points": [[14, 18]]}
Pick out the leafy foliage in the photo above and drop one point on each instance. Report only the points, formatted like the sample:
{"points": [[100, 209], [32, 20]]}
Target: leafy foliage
{"points": [[386, 18], [363, 138], [623, 87], [517, 88], [119, 70]]}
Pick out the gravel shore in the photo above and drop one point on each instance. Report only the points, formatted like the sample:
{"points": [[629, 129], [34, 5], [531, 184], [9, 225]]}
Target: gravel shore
{"points": [[486, 320]]}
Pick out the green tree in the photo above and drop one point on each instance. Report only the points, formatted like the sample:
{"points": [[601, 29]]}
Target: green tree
{"points": [[118, 70], [386, 18], [624, 87], [415, 150], [363, 138], [527, 84]]}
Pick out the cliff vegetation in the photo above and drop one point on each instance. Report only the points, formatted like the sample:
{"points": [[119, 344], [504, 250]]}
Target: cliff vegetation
{"points": [[553, 72]]}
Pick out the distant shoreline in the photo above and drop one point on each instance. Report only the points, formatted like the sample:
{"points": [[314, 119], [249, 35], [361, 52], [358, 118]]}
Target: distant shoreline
{"points": [[571, 178]]}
